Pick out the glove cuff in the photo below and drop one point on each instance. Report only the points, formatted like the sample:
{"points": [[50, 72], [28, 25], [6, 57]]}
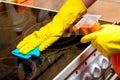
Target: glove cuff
{"points": [[71, 10]]}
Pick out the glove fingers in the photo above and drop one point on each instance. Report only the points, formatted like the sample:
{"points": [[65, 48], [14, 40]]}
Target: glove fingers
{"points": [[25, 49], [89, 37], [28, 47], [48, 42], [25, 41], [21, 44]]}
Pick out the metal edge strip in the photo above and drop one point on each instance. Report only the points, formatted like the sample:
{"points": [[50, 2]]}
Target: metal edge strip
{"points": [[74, 64]]}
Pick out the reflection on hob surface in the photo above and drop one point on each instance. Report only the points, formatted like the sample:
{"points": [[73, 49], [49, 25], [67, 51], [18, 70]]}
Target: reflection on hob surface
{"points": [[53, 59], [65, 43], [50, 63]]}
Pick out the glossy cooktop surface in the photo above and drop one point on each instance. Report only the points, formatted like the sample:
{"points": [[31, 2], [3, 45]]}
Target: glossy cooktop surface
{"points": [[54, 59]]}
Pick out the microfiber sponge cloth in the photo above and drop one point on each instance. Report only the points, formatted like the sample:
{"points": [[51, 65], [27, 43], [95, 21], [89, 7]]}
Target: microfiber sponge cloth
{"points": [[35, 52]]}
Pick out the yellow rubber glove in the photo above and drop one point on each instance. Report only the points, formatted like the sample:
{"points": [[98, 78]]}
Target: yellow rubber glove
{"points": [[107, 40], [48, 34]]}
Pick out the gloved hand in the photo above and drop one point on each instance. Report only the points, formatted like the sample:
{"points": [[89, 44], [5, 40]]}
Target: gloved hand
{"points": [[51, 32], [107, 40]]}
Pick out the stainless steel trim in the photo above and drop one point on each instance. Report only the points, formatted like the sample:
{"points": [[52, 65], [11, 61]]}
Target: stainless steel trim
{"points": [[50, 5], [114, 77], [74, 64]]}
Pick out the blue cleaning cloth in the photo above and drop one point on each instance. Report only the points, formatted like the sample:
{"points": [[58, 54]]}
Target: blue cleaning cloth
{"points": [[35, 52]]}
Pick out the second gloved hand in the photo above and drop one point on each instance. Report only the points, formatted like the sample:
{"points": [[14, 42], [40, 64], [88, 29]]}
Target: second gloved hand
{"points": [[107, 40], [51, 32]]}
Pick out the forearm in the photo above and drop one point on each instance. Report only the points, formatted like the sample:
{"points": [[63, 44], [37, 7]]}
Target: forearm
{"points": [[88, 3]]}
